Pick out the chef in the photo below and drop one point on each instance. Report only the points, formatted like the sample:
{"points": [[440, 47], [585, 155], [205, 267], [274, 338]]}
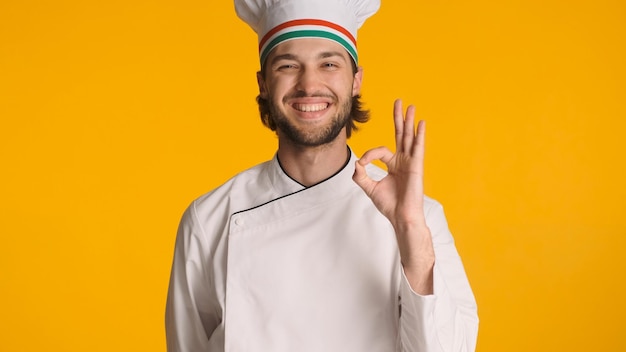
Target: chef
{"points": [[316, 249]]}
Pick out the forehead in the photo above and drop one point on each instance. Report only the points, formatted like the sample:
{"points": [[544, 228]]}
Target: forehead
{"points": [[309, 48]]}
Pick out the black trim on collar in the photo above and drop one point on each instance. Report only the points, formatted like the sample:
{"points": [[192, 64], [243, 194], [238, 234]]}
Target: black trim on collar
{"points": [[304, 189], [326, 179]]}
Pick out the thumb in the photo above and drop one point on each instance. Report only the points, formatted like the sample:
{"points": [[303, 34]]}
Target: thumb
{"points": [[361, 178]]}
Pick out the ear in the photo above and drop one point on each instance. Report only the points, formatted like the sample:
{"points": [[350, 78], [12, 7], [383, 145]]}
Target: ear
{"points": [[358, 79], [262, 87]]}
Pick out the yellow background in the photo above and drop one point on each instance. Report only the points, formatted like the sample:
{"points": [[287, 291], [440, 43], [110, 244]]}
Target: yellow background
{"points": [[116, 114]]}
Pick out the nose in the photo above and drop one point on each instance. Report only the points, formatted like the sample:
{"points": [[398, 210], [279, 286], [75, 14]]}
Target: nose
{"points": [[309, 82]]}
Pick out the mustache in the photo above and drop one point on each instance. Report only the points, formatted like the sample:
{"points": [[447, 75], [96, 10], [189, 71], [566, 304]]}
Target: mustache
{"points": [[302, 94]]}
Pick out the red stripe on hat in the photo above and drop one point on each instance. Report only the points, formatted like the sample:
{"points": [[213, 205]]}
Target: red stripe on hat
{"points": [[305, 22]]}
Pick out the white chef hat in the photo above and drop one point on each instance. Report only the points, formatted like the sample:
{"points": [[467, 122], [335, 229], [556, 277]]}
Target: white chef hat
{"points": [[276, 21]]}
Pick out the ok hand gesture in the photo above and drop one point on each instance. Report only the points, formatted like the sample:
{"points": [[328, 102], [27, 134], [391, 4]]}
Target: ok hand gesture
{"points": [[400, 196]]}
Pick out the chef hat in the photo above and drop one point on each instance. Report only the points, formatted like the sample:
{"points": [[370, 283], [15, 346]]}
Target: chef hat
{"points": [[276, 21]]}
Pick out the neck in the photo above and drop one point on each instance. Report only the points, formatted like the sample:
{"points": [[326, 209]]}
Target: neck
{"points": [[312, 165]]}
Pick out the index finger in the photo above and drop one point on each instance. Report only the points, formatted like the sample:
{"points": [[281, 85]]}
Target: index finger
{"points": [[398, 121]]}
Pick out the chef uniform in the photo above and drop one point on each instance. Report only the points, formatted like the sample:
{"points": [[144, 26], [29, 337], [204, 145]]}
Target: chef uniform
{"points": [[263, 263]]}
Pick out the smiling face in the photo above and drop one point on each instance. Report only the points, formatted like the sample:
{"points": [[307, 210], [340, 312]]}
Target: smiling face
{"points": [[309, 84]]}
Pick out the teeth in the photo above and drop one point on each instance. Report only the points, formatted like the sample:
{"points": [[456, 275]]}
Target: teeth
{"points": [[310, 107]]}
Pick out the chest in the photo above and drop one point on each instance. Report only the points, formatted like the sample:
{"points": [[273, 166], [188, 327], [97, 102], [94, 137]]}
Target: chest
{"points": [[323, 276]]}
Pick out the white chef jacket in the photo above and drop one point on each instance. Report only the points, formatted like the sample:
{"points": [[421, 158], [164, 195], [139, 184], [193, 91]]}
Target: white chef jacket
{"points": [[263, 263]]}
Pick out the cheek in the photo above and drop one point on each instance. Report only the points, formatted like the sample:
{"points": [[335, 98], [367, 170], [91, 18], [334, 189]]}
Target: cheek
{"points": [[278, 90], [344, 85]]}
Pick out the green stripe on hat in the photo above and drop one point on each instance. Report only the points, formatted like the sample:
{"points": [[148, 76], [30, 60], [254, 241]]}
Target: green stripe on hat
{"points": [[308, 34]]}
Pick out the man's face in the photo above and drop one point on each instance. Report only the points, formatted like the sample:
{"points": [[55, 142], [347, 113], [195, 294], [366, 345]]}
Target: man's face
{"points": [[309, 84]]}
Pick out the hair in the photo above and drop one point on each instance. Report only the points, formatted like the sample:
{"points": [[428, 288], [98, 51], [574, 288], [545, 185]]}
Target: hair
{"points": [[357, 113]]}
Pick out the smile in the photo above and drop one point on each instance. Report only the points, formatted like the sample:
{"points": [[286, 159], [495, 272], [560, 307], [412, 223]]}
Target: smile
{"points": [[310, 107]]}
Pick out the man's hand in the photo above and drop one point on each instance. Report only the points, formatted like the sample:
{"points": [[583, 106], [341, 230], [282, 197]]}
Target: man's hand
{"points": [[400, 196]]}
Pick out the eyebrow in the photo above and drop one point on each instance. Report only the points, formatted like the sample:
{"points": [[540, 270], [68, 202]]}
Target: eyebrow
{"points": [[283, 57], [328, 54], [323, 55]]}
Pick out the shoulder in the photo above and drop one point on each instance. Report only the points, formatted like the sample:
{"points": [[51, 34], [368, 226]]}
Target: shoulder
{"points": [[437, 222], [431, 205], [206, 218], [238, 188]]}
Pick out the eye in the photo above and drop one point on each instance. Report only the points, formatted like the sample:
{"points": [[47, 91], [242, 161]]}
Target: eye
{"points": [[330, 65], [286, 67]]}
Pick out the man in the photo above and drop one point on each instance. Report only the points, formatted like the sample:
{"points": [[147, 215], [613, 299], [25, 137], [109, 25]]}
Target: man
{"points": [[315, 250]]}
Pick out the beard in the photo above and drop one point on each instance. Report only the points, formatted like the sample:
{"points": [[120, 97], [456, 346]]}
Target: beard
{"points": [[318, 136]]}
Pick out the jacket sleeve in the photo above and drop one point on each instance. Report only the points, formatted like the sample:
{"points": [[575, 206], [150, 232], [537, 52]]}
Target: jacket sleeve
{"points": [[190, 315], [447, 320]]}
